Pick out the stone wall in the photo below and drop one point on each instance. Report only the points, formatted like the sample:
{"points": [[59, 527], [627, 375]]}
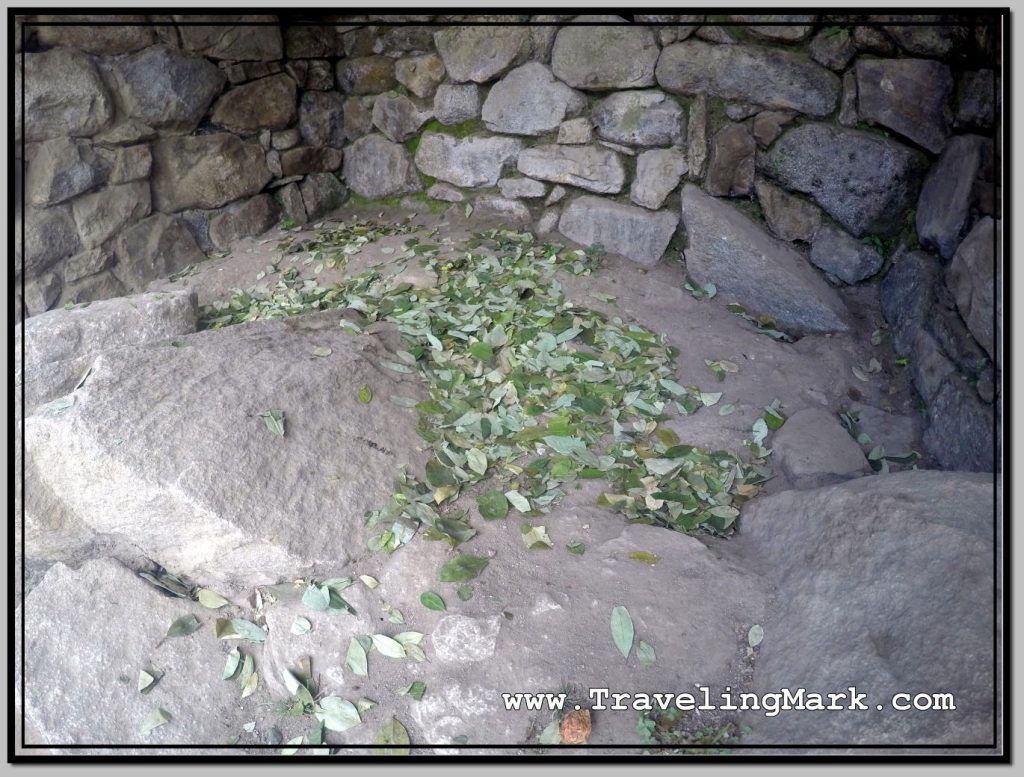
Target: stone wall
{"points": [[788, 162]]}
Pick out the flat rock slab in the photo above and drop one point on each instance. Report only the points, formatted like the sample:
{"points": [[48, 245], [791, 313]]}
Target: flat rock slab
{"points": [[636, 233], [472, 161], [864, 181], [910, 96], [813, 449], [588, 167], [866, 571], [751, 267], [530, 101], [765, 76], [581, 54], [165, 445]]}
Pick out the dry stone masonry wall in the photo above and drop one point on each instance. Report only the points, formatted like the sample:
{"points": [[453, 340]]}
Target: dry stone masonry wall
{"points": [[789, 164]]}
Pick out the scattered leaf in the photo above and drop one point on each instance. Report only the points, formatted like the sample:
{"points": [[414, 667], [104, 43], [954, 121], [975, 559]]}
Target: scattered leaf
{"points": [[552, 733], [211, 600], [492, 504], [157, 717], [336, 713], [645, 654], [576, 547], [249, 688], [148, 678], [301, 626], [184, 626], [414, 690], [393, 734], [432, 601], [536, 537], [465, 592], [274, 420], [231, 665], [622, 630], [365, 395], [387, 646], [355, 659], [755, 635], [461, 567], [322, 351], [369, 582], [644, 556]]}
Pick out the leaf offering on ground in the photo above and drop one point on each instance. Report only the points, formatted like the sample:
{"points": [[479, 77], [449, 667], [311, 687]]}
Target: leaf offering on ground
{"points": [[536, 537], [148, 678], [337, 714], [355, 659], [492, 504], [395, 736], [369, 582], [576, 547], [432, 601], [465, 592], [234, 660], [414, 690], [274, 420], [644, 556], [239, 628], [622, 630], [461, 567], [552, 733], [301, 626], [645, 654], [211, 600], [317, 597], [157, 717], [755, 635], [184, 626], [365, 395], [249, 687], [387, 646]]}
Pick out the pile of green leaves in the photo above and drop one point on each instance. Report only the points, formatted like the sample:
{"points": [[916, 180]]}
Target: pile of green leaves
{"points": [[529, 393]]}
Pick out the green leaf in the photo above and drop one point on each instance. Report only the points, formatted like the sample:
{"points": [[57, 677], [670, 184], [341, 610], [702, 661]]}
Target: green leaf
{"points": [[727, 409], [184, 626], [365, 705], [336, 713], [231, 665], [301, 626], [239, 628], [622, 630], [394, 735], [481, 351], [465, 592], [369, 582], [477, 461], [291, 750], [365, 395], [645, 654], [432, 601], [274, 420], [461, 567], [395, 615], [322, 351], [247, 670], [156, 718], [755, 635], [492, 504], [520, 502], [387, 646], [644, 556], [536, 537], [415, 690], [148, 678], [211, 600], [576, 547], [249, 686], [355, 659], [552, 733], [317, 597]]}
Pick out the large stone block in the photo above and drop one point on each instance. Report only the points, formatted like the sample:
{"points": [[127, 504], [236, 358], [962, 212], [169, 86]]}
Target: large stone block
{"points": [[636, 233], [470, 161], [619, 56], [206, 171], [530, 101], [64, 95], [376, 168], [588, 167], [268, 103]]}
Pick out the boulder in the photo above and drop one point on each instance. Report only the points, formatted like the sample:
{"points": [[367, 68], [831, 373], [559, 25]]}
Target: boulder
{"points": [[847, 258], [205, 171], [948, 194], [731, 164], [290, 199], [789, 217], [922, 39], [658, 172], [376, 168], [636, 233], [833, 48], [398, 117], [321, 194], [322, 119], [456, 103], [64, 95], [895, 432], [290, 138], [640, 118], [909, 96], [63, 168], [480, 54], [87, 263], [243, 218], [765, 76], [777, 30], [366, 75], [154, 248], [907, 295], [233, 40], [528, 188], [812, 449], [581, 55], [768, 125], [510, 213], [864, 181], [131, 163], [60, 346], [103, 214], [752, 268], [358, 118], [306, 159], [530, 101], [961, 433], [268, 103], [243, 72], [421, 74], [588, 167], [868, 575], [576, 131], [166, 89], [41, 293], [224, 518], [115, 34], [50, 235], [313, 42], [976, 101], [470, 161], [973, 277]]}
